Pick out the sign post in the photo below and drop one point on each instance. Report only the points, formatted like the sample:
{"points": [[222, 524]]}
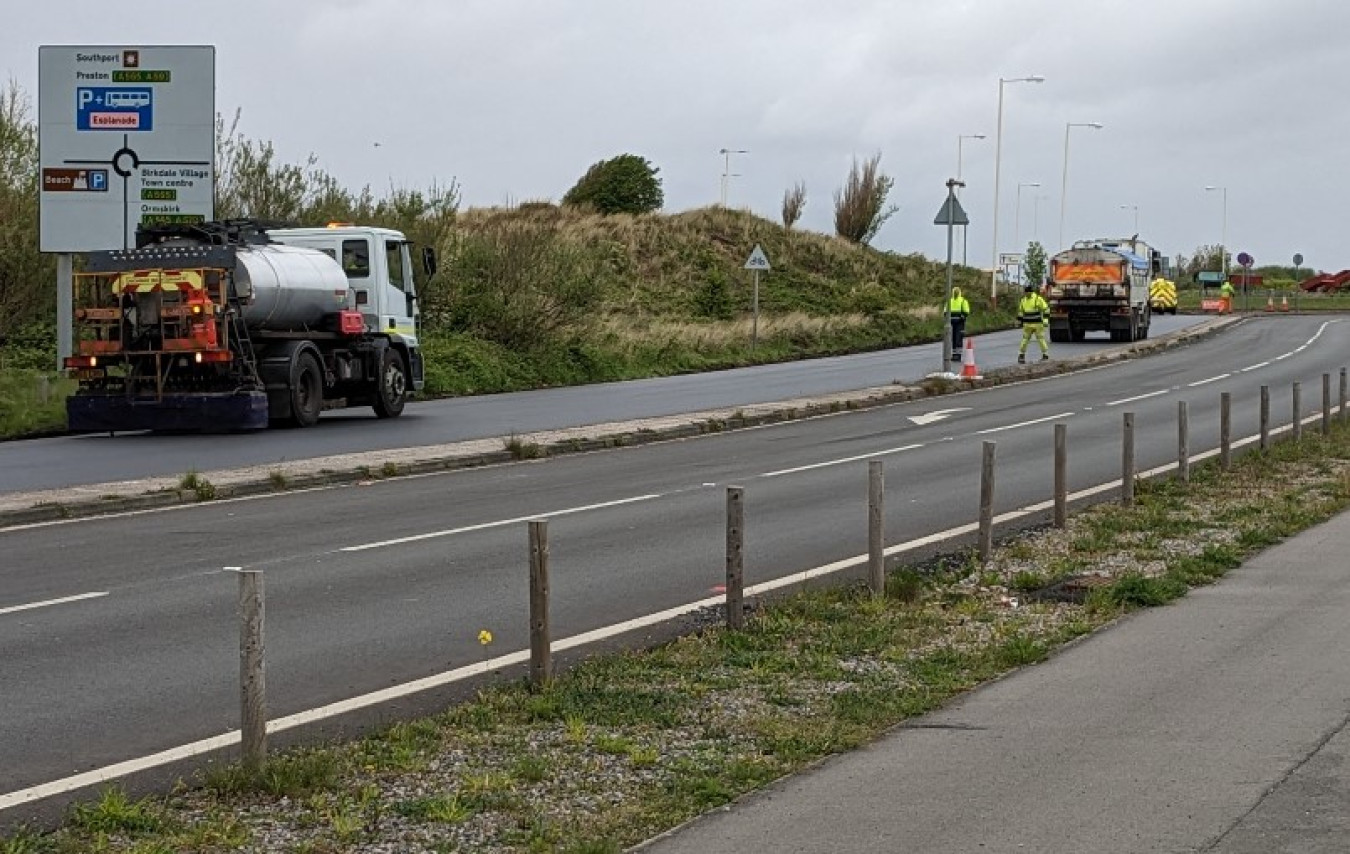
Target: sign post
{"points": [[1246, 261], [951, 214], [1298, 262], [755, 263], [126, 137]]}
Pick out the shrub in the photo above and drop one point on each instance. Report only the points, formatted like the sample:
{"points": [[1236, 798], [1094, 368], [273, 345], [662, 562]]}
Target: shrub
{"points": [[860, 207], [623, 184], [794, 201]]}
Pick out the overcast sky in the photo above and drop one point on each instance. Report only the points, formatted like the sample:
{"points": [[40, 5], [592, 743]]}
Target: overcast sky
{"points": [[515, 98]]}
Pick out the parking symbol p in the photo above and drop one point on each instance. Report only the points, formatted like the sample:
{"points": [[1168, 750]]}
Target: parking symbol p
{"points": [[98, 179]]}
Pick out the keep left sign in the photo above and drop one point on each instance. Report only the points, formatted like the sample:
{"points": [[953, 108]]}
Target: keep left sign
{"points": [[116, 108]]}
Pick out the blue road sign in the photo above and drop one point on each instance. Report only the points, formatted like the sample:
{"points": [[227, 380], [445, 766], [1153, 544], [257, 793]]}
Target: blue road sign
{"points": [[116, 108], [98, 179]]}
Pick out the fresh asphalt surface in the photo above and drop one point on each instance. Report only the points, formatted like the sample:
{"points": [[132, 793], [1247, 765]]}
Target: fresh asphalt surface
{"points": [[72, 461], [149, 661]]}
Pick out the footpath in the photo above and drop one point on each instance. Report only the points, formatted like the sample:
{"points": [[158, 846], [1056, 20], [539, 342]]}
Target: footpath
{"points": [[1215, 724]]}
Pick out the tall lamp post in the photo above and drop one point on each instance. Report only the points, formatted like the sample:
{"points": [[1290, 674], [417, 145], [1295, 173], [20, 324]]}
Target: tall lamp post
{"points": [[1017, 218], [1064, 181], [1223, 234], [726, 168], [960, 138], [1134, 208], [998, 162]]}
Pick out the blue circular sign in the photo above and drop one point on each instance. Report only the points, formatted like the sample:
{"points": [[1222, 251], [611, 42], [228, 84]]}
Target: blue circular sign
{"points": [[1244, 259]]}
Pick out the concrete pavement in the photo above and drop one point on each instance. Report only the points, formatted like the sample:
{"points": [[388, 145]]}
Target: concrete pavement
{"points": [[1215, 724]]}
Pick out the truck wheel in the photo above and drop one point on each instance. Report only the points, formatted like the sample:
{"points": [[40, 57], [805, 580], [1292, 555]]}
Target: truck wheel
{"points": [[392, 391], [306, 391]]}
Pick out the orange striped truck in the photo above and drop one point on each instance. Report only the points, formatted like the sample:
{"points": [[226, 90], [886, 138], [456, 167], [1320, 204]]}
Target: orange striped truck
{"points": [[237, 325], [1102, 286]]}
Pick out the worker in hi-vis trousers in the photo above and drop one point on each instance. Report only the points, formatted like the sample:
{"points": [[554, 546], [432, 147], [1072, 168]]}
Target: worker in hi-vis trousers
{"points": [[958, 310], [1033, 312]]}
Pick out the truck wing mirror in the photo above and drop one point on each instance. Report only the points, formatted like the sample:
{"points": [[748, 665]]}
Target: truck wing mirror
{"points": [[429, 260]]}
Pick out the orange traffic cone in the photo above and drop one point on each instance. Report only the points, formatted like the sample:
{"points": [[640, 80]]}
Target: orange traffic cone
{"points": [[1284, 303], [1270, 302], [968, 371]]}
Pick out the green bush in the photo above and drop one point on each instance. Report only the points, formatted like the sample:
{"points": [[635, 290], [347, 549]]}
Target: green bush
{"points": [[623, 184]]}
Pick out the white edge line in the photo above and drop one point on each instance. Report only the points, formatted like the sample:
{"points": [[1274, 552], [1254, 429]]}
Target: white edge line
{"points": [[497, 524], [10, 800], [48, 603]]}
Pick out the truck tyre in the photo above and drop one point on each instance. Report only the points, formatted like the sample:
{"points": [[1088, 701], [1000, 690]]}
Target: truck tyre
{"points": [[306, 391], [392, 386]]}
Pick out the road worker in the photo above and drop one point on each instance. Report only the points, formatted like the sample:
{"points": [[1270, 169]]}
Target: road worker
{"points": [[958, 309], [1033, 312], [1226, 297]]}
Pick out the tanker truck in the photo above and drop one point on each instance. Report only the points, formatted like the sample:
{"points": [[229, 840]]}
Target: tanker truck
{"points": [[1102, 285], [239, 324]]}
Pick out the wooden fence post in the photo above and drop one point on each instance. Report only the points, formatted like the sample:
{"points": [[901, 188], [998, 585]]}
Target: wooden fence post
{"points": [[1265, 418], [876, 532], [541, 644], [1127, 461], [252, 670], [1298, 412], [735, 557], [1341, 411], [987, 502], [1061, 475], [1183, 443], [1225, 431]]}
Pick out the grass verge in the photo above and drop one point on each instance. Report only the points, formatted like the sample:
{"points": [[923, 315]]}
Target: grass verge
{"points": [[625, 746]]}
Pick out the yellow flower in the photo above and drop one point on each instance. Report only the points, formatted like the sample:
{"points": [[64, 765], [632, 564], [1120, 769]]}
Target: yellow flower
{"points": [[485, 637]]}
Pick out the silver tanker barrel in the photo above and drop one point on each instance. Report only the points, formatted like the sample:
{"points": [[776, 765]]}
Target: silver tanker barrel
{"points": [[289, 288]]}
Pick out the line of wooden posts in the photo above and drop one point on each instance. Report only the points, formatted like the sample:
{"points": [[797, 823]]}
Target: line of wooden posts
{"points": [[252, 659]]}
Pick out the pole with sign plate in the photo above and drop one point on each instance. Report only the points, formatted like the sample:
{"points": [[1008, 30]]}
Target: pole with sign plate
{"points": [[755, 263], [950, 214]]}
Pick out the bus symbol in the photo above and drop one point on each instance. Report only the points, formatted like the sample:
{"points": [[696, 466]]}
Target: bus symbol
{"points": [[127, 99]]}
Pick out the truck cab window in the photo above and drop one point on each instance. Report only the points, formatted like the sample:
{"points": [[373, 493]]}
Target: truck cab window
{"points": [[356, 258], [393, 257]]}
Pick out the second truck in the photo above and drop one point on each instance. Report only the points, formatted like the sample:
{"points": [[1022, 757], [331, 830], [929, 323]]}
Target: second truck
{"points": [[1102, 285]]}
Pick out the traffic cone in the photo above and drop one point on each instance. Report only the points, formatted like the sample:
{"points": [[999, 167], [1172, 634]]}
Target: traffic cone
{"points": [[1284, 303], [1270, 302], [968, 371]]}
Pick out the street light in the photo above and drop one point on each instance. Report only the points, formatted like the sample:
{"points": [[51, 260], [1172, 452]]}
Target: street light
{"points": [[1223, 234], [1134, 208], [998, 158], [960, 138], [1017, 218], [726, 168], [1064, 182]]}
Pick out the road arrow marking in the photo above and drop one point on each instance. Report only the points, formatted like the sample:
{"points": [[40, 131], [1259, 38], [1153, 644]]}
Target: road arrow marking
{"points": [[930, 417]]}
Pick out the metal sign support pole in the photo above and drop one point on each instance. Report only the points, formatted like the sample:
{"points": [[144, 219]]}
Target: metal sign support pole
{"points": [[754, 322], [65, 300]]}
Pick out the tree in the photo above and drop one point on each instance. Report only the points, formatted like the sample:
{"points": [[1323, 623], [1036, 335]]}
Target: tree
{"points": [[794, 200], [623, 184], [1033, 266], [860, 207]]}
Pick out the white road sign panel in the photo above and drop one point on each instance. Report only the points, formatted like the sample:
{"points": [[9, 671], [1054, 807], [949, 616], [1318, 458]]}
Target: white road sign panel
{"points": [[126, 138], [757, 260]]}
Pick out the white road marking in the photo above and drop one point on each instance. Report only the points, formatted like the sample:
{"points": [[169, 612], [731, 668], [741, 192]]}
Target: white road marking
{"points": [[1138, 397], [9, 800], [48, 603], [1255, 367], [430, 535], [842, 460], [1208, 381], [930, 417], [1024, 423]]}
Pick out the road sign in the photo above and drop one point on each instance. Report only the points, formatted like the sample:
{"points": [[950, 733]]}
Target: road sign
{"points": [[951, 213], [1212, 276], [757, 260], [126, 137], [1009, 259], [1244, 259], [1298, 259]]}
